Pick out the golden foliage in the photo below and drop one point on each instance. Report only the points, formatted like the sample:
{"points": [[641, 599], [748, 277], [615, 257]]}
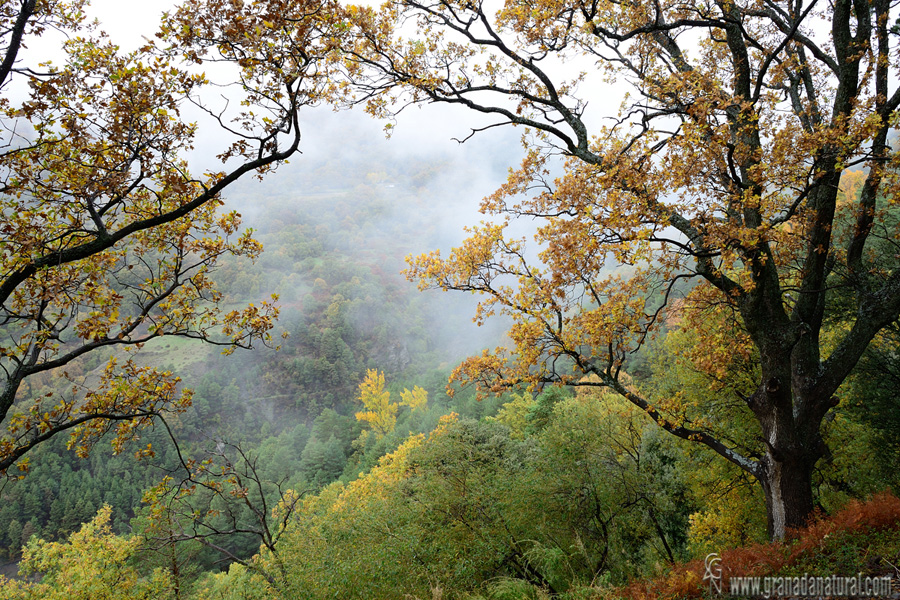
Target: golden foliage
{"points": [[380, 413], [92, 564], [106, 237], [416, 399]]}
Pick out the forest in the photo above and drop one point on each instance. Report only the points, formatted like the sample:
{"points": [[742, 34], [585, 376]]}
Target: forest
{"points": [[441, 299]]}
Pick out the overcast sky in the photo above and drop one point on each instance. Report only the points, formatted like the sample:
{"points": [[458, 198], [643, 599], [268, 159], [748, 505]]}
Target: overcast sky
{"points": [[430, 128]]}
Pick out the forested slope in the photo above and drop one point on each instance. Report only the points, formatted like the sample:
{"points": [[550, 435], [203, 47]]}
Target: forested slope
{"points": [[508, 497], [336, 231]]}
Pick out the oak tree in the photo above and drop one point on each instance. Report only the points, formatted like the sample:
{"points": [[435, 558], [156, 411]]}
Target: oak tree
{"points": [[721, 169], [107, 239]]}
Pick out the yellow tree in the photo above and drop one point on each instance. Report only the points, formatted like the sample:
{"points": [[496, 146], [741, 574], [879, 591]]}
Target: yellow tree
{"points": [[93, 563], [720, 169], [106, 237], [415, 399], [380, 413]]}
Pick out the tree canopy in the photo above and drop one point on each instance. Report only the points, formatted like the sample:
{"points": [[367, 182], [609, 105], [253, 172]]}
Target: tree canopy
{"points": [[714, 189], [108, 239]]}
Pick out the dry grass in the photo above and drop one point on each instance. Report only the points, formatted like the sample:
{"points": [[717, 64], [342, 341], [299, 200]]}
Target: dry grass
{"points": [[851, 534]]}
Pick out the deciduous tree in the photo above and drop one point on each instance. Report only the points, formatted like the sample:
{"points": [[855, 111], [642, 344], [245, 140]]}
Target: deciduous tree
{"points": [[93, 563], [722, 168], [381, 413], [107, 239], [221, 501]]}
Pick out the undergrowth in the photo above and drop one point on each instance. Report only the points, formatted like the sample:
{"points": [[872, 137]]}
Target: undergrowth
{"points": [[860, 538]]}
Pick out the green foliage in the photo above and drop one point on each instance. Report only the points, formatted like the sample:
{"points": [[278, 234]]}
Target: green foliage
{"points": [[475, 509], [238, 583], [872, 402], [62, 492], [323, 462], [514, 414], [613, 483], [541, 411], [94, 563]]}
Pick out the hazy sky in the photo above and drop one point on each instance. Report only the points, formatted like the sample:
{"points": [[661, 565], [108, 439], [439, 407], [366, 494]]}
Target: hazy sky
{"points": [[126, 22], [419, 131], [430, 128], [468, 172]]}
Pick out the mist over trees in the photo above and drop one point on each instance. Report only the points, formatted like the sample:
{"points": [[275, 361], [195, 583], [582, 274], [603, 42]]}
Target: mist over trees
{"points": [[333, 254], [224, 380]]}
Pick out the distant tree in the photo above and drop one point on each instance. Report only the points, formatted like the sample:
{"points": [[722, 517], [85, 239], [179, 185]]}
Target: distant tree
{"points": [[106, 237], [14, 536], [333, 460], [321, 462], [380, 413], [541, 411], [415, 399], [514, 414]]}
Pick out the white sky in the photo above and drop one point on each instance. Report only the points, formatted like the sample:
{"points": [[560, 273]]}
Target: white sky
{"points": [[426, 128], [127, 21]]}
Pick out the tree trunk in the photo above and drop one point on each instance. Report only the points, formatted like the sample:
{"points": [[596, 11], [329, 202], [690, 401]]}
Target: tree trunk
{"points": [[790, 422], [788, 487]]}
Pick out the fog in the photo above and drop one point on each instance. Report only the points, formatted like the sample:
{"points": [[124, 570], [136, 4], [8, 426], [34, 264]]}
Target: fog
{"points": [[412, 193], [353, 201]]}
